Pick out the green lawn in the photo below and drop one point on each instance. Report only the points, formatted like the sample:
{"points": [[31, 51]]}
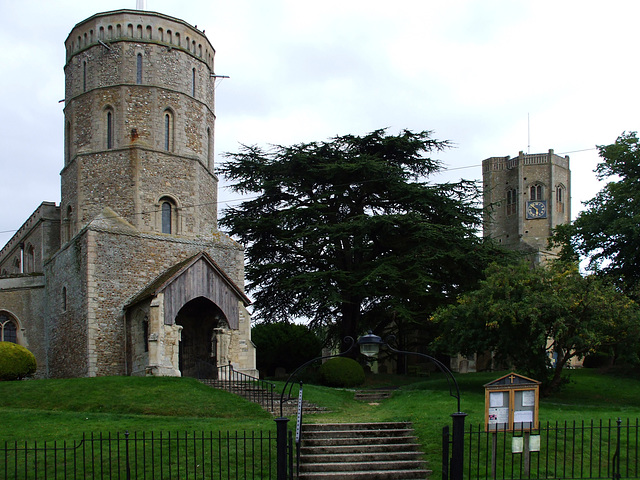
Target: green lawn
{"points": [[46, 410]]}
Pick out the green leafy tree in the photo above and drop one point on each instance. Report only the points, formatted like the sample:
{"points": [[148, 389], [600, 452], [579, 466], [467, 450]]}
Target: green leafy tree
{"points": [[607, 232], [524, 315], [350, 235]]}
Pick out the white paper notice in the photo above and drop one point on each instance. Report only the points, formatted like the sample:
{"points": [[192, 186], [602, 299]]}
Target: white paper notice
{"points": [[528, 398], [534, 443], [498, 415], [522, 416], [496, 399]]}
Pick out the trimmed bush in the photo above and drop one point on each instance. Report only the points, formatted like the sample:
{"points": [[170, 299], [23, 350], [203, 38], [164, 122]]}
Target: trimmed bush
{"points": [[341, 372], [16, 362], [283, 345]]}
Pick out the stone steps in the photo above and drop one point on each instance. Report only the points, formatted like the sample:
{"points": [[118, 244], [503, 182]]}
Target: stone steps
{"points": [[373, 396], [377, 451], [270, 401]]}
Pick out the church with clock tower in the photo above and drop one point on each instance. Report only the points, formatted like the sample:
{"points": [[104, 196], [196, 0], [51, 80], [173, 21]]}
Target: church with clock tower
{"points": [[525, 198]]}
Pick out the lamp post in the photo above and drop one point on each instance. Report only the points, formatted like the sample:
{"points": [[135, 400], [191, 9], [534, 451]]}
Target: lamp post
{"points": [[370, 345]]}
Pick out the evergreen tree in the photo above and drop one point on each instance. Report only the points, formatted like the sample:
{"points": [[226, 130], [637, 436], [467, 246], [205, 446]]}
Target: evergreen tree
{"points": [[349, 233]]}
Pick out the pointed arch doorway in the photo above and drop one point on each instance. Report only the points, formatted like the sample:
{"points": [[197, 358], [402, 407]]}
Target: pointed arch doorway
{"points": [[202, 347]]}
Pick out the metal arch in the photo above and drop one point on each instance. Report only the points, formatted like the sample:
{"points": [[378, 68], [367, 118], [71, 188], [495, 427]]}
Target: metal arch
{"points": [[289, 381]]}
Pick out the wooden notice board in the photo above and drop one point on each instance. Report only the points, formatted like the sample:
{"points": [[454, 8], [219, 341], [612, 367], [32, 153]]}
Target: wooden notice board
{"points": [[511, 403]]}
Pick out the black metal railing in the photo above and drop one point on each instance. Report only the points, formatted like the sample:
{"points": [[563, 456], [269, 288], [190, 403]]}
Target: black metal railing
{"points": [[567, 450], [164, 455], [253, 389]]}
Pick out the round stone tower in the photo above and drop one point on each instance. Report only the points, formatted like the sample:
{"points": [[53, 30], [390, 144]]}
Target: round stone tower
{"points": [[139, 125]]}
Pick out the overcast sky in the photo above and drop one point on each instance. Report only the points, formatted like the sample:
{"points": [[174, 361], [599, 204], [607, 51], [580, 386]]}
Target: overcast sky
{"points": [[494, 77]]}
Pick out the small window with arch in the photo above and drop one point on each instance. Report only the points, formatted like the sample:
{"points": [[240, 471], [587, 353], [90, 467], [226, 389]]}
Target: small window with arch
{"points": [[139, 69], [168, 130], [168, 215], [63, 299], [536, 192], [8, 329], [560, 198], [109, 127], [512, 201]]}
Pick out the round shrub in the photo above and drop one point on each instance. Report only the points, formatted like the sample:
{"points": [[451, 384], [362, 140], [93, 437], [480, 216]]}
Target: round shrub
{"points": [[341, 372], [283, 345], [16, 362]]}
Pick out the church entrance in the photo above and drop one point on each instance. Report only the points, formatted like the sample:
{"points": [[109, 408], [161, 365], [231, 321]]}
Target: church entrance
{"points": [[201, 320]]}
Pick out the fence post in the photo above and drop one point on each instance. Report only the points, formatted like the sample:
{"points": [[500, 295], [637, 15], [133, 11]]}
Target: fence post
{"points": [[126, 447], [616, 456], [457, 448], [445, 452], [281, 447]]}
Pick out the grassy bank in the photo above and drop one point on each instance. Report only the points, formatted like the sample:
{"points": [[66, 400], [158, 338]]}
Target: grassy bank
{"points": [[64, 409]]}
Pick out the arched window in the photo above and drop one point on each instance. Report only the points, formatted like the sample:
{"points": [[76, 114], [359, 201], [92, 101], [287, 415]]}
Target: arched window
{"points": [[536, 192], [109, 129], [209, 150], [139, 69], [8, 329], [67, 141], [512, 201], [193, 82], [68, 224], [166, 217], [63, 299], [16, 265], [560, 194], [168, 130], [84, 76], [30, 259]]}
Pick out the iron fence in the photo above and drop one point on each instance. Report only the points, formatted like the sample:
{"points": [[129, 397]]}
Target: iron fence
{"points": [[153, 456], [568, 450]]}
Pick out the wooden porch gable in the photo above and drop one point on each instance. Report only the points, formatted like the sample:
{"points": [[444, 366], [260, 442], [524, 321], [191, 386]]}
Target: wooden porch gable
{"points": [[202, 278]]}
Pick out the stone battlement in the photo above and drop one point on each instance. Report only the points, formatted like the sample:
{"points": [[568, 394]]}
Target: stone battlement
{"points": [[141, 26]]}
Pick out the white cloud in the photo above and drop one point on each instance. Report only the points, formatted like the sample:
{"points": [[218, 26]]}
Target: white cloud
{"points": [[471, 70]]}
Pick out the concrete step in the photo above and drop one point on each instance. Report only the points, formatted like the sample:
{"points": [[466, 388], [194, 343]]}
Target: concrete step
{"points": [[363, 456], [373, 396], [359, 466], [370, 441], [367, 451], [357, 475], [320, 447], [371, 426]]}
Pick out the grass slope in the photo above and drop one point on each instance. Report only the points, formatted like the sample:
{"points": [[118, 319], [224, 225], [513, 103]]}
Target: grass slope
{"points": [[66, 408], [63, 409]]}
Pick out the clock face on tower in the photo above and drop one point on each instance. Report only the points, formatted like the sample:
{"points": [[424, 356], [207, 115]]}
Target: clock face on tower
{"points": [[537, 209]]}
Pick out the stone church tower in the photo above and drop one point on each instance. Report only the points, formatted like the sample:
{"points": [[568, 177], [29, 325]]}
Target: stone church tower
{"points": [[525, 197], [137, 280]]}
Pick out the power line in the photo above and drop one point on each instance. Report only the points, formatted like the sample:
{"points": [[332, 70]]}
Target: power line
{"points": [[445, 169]]}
